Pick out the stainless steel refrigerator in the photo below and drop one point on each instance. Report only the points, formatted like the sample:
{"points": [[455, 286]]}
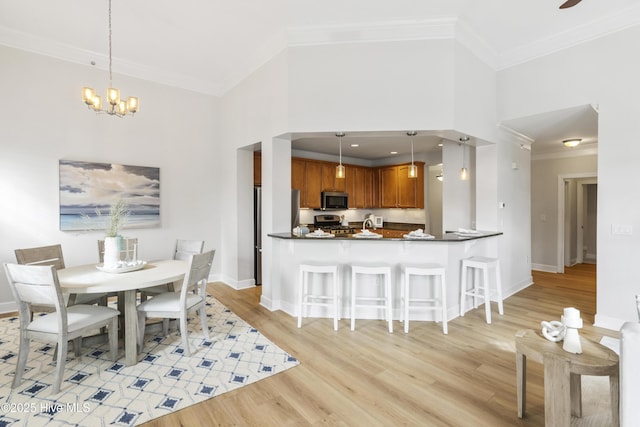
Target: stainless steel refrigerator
{"points": [[257, 227]]}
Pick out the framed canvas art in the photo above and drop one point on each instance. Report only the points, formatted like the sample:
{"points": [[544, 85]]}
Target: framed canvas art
{"points": [[88, 189]]}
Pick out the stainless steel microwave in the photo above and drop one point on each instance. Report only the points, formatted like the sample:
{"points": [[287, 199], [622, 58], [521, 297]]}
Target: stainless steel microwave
{"points": [[332, 200]]}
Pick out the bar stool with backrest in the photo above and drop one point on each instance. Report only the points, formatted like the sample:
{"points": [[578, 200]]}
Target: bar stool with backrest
{"points": [[385, 302], [435, 275], [475, 265], [308, 295]]}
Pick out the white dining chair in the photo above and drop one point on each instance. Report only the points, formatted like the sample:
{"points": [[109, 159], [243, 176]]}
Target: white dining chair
{"points": [[177, 305], [183, 250], [52, 255], [39, 285]]}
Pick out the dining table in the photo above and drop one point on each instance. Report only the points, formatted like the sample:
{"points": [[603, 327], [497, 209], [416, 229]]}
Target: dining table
{"points": [[90, 278]]}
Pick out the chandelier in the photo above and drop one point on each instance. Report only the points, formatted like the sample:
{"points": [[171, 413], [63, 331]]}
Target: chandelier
{"points": [[115, 105]]}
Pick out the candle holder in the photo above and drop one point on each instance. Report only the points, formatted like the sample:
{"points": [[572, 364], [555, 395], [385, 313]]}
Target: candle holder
{"points": [[572, 322]]}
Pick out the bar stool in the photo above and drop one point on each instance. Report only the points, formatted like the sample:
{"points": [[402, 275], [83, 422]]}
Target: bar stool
{"points": [[475, 264], [306, 298], [430, 271], [385, 301]]}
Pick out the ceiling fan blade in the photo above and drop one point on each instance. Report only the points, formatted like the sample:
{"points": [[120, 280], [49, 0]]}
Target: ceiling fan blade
{"points": [[569, 3]]}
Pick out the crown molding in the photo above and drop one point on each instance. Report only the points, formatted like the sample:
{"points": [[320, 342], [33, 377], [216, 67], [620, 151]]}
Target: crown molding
{"points": [[626, 18], [69, 53], [566, 153]]}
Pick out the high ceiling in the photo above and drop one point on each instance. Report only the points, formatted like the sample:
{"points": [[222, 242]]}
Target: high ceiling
{"points": [[211, 45]]}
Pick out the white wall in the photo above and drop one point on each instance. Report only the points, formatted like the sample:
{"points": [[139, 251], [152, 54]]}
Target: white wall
{"points": [[544, 202], [601, 72], [43, 120]]}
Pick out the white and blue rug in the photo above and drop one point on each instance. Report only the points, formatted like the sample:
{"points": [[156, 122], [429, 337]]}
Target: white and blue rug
{"points": [[97, 391]]}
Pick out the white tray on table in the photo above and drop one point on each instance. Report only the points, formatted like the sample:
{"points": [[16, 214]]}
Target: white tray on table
{"points": [[125, 268]]}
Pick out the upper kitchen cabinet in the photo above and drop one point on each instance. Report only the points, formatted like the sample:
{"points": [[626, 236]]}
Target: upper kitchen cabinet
{"points": [[306, 176], [397, 190], [360, 184]]}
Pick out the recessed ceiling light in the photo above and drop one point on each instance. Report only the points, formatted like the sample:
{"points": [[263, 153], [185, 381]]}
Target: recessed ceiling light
{"points": [[440, 144], [393, 152], [355, 145]]}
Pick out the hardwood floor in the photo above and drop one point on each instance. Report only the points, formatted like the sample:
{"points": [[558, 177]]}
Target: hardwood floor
{"points": [[372, 378]]}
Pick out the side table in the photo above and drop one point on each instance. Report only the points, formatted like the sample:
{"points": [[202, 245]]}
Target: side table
{"points": [[562, 370]]}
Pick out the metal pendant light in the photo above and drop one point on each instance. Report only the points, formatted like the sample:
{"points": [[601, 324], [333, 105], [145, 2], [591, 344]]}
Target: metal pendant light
{"points": [[413, 169], [340, 171], [464, 173]]}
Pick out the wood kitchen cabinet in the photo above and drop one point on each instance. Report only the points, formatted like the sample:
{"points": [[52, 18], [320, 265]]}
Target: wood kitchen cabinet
{"points": [[385, 187], [397, 190], [392, 233], [306, 176]]}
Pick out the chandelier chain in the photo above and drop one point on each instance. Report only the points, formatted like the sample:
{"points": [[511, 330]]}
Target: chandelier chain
{"points": [[110, 72]]}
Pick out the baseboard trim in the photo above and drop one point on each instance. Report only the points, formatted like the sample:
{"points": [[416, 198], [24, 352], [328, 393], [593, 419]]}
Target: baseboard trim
{"points": [[545, 268], [607, 322]]}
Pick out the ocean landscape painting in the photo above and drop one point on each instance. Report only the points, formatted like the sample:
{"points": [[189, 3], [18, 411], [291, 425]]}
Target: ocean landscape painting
{"points": [[88, 189]]}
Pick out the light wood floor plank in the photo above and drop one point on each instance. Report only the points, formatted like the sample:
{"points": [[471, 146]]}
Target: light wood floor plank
{"points": [[372, 378]]}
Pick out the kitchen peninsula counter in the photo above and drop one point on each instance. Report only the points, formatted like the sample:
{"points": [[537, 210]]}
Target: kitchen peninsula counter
{"points": [[447, 237], [290, 251]]}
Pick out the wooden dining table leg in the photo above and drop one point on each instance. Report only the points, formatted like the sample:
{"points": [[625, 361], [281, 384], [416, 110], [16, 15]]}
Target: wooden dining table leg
{"points": [[557, 391], [614, 390], [130, 328], [576, 395]]}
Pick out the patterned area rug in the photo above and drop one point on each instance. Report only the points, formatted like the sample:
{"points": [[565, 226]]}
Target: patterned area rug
{"points": [[96, 391]]}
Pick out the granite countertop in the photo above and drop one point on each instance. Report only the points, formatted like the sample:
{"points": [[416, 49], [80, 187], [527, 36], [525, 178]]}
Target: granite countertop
{"points": [[447, 237]]}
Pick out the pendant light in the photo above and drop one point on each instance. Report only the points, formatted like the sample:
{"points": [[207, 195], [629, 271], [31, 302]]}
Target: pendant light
{"points": [[413, 169], [115, 105], [464, 173], [340, 172]]}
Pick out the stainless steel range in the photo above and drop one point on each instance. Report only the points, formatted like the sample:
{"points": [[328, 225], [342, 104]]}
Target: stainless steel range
{"points": [[332, 224]]}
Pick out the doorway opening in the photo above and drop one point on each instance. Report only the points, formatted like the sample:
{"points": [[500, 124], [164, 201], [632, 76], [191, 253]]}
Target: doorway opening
{"points": [[577, 219]]}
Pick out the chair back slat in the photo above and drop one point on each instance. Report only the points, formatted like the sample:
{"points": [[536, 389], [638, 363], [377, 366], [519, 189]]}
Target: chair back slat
{"points": [[43, 255], [198, 274], [186, 248], [37, 285]]}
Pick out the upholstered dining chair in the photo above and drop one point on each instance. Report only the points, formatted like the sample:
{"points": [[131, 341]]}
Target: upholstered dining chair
{"points": [[52, 255], [177, 305], [183, 250], [38, 285]]}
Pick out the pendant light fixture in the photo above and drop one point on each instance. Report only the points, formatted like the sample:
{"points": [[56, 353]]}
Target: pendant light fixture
{"points": [[116, 106], [464, 173], [340, 172], [413, 169]]}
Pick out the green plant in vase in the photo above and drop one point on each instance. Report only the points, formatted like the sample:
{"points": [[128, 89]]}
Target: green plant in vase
{"points": [[118, 214]]}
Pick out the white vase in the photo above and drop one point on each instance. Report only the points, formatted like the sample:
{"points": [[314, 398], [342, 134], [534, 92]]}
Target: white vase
{"points": [[112, 251]]}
